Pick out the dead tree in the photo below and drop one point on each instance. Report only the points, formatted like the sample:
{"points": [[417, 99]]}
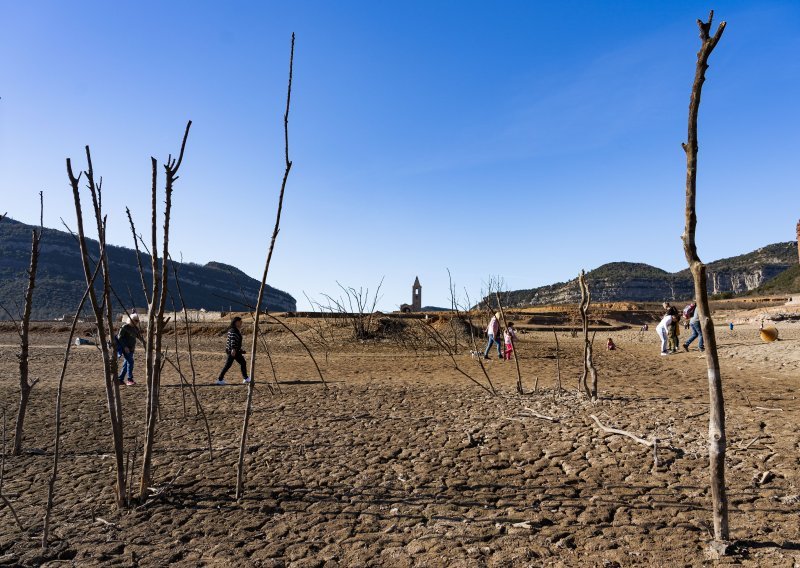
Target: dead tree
{"points": [[102, 313], [57, 442], [303, 343], [155, 312], [588, 364], [251, 386], [716, 423], [558, 365], [444, 344], [357, 307], [474, 341], [25, 385], [513, 347]]}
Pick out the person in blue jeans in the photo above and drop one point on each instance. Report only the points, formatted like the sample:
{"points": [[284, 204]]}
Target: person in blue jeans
{"points": [[694, 324], [126, 345], [493, 331]]}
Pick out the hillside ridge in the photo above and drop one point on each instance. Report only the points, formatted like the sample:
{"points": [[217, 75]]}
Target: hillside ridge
{"points": [[631, 281], [60, 280]]}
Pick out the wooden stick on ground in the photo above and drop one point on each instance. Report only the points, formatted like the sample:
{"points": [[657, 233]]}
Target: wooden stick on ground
{"points": [[542, 416], [634, 437]]}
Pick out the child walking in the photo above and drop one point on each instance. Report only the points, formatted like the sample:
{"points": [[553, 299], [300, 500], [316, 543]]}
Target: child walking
{"points": [[508, 338], [235, 352]]}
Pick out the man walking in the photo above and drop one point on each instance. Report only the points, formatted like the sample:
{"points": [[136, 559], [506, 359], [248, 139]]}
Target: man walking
{"points": [[694, 324]]}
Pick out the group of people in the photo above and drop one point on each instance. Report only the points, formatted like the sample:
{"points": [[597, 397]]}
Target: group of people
{"points": [[668, 329], [505, 348], [128, 335]]}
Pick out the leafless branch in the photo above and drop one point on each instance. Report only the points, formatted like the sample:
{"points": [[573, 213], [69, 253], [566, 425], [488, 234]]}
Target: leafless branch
{"points": [[254, 347]]}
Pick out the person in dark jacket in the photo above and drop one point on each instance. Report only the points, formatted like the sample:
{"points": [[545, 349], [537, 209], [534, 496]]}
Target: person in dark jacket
{"points": [[234, 350], [126, 345]]}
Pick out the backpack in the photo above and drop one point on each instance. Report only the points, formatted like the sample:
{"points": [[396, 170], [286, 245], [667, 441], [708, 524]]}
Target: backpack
{"points": [[688, 311]]}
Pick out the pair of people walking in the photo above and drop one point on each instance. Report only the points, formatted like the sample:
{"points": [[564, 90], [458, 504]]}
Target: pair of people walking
{"points": [[128, 335], [493, 333]]}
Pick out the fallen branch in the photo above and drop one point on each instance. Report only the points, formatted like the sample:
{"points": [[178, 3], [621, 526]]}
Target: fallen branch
{"points": [[157, 493], [765, 408], [753, 441], [102, 521], [542, 416], [697, 414], [634, 437]]}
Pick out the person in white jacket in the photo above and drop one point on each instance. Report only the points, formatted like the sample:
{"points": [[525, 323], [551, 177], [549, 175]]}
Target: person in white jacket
{"points": [[663, 331], [493, 331]]}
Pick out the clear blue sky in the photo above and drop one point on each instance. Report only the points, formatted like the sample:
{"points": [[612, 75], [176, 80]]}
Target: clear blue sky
{"points": [[526, 139]]}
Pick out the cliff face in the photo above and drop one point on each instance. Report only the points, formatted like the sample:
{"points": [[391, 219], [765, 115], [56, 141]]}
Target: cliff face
{"points": [[60, 281], [627, 281]]}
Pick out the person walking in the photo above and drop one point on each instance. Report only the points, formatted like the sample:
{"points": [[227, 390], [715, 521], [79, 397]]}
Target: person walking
{"points": [[126, 345], [509, 336], [234, 351], [493, 331], [662, 329], [694, 324]]}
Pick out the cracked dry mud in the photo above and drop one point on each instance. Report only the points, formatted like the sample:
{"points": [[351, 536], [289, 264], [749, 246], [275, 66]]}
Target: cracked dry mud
{"points": [[403, 462]]}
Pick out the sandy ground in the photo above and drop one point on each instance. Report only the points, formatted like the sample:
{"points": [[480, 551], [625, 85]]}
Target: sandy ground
{"points": [[403, 462]]}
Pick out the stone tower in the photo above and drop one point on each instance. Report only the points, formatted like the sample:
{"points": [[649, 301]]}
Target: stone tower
{"points": [[416, 292], [798, 240]]}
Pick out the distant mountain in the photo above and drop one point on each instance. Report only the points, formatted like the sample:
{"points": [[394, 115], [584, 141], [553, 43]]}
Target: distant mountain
{"points": [[787, 282], [60, 281], [628, 281]]}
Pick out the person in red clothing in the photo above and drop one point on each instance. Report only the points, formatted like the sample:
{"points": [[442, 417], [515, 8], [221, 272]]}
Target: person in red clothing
{"points": [[509, 336]]}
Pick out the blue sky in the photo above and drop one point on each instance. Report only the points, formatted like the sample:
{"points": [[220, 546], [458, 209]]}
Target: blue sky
{"points": [[525, 139]]}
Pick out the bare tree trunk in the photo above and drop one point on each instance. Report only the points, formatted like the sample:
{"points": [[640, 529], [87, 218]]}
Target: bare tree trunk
{"points": [[558, 364], [178, 353], [193, 387], [104, 330], [25, 326], [586, 299], [155, 317], [57, 443], [254, 346], [138, 257], [514, 347], [716, 422]]}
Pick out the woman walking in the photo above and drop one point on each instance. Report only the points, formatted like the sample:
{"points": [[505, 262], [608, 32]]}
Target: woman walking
{"points": [[235, 352], [493, 332]]}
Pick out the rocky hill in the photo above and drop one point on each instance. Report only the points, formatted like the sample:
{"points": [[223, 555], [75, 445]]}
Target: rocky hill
{"points": [[628, 281], [60, 282]]}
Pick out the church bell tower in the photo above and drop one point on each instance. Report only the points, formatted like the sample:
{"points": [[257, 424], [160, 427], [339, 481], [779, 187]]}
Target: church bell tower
{"points": [[416, 296]]}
